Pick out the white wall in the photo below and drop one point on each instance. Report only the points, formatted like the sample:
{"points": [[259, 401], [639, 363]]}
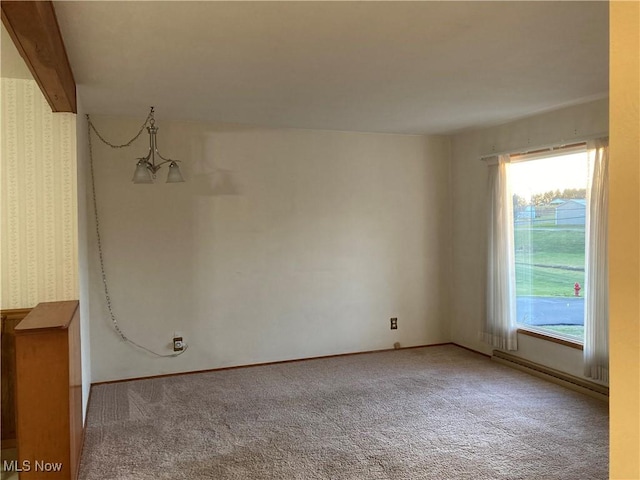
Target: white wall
{"points": [[84, 210], [469, 183], [282, 244]]}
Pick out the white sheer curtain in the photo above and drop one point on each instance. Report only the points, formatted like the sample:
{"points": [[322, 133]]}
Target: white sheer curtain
{"points": [[499, 329], [596, 312]]}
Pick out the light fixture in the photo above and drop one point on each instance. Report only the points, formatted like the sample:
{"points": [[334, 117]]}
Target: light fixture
{"points": [[146, 168]]}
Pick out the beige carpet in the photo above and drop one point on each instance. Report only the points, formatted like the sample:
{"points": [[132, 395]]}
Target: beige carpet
{"points": [[428, 413]]}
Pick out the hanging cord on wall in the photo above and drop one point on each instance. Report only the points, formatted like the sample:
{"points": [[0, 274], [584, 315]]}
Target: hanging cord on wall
{"points": [[91, 126]]}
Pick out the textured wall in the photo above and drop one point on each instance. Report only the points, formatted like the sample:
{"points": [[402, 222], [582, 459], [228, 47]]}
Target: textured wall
{"points": [[38, 199]]}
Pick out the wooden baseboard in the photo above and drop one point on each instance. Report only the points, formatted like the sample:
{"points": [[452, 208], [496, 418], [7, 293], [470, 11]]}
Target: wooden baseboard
{"points": [[192, 372], [471, 350]]}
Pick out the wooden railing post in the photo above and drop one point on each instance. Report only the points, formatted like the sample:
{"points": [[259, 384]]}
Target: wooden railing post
{"points": [[49, 392]]}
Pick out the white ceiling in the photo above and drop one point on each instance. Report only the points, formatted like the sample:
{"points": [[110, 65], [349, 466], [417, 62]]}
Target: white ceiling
{"points": [[401, 67]]}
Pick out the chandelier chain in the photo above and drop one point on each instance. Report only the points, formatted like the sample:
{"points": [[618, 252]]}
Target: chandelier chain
{"points": [[105, 284], [92, 127]]}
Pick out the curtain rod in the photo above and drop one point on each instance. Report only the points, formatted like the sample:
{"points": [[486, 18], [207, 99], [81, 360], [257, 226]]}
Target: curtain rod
{"points": [[550, 147]]}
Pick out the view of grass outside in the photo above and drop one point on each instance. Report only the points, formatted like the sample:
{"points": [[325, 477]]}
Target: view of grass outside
{"points": [[549, 238], [568, 330], [549, 262], [549, 259]]}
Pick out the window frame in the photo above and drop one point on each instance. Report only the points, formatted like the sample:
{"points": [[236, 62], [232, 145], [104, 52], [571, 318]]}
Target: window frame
{"points": [[539, 154]]}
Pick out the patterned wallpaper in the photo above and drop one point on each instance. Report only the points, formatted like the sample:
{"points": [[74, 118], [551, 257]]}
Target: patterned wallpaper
{"points": [[38, 199]]}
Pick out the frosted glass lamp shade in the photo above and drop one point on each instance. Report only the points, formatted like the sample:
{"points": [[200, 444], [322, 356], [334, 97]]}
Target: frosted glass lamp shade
{"points": [[142, 173], [174, 173]]}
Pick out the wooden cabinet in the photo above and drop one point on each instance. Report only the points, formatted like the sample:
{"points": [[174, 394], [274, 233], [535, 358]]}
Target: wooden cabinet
{"points": [[49, 392], [9, 318]]}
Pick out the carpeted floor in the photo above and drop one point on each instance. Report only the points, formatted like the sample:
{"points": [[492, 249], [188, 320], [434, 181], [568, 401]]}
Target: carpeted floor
{"points": [[429, 413]]}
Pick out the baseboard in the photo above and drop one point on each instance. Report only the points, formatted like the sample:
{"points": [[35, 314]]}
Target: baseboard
{"points": [[192, 372], [556, 376], [471, 350]]}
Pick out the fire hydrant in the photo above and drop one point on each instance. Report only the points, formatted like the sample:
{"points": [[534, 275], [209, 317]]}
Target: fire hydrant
{"points": [[576, 288]]}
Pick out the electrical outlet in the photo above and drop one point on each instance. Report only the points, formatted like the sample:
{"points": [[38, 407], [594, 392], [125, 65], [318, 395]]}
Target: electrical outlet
{"points": [[394, 323], [178, 344]]}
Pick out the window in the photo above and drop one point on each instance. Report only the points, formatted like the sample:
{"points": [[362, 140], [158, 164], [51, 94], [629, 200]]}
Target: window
{"points": [[549, 213]]}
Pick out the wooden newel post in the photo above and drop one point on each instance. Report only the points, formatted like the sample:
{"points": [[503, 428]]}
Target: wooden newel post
{"points": [[49, 392]]}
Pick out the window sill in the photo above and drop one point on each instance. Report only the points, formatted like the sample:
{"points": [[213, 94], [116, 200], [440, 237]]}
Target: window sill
{"points": [[551, 338]]}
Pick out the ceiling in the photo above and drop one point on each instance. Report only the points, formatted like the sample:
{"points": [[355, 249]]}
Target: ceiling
{"points": [[396, 67]]}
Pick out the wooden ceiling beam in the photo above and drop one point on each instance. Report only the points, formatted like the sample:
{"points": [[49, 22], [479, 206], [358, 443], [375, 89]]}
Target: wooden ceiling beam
{"points": [[34, 30]]}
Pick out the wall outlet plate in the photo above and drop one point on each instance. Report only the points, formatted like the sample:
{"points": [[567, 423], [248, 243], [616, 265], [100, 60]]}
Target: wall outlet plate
{"points": [[178, 344], [394, 323]]}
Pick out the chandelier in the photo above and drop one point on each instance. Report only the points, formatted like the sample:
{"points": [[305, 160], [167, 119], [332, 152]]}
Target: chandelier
{"points": [[146, 167]]}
